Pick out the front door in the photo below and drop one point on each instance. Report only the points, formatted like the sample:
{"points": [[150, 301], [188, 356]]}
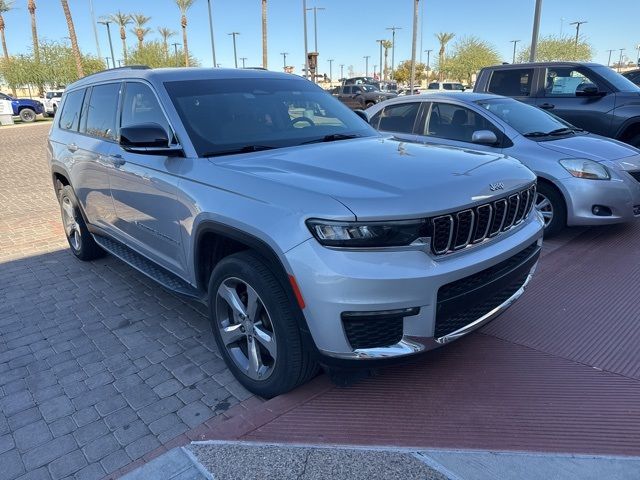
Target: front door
{"points": [[144, 187]]}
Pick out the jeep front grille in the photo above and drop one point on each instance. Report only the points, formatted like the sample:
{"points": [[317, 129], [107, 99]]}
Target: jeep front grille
{"points": [[456, 231]]}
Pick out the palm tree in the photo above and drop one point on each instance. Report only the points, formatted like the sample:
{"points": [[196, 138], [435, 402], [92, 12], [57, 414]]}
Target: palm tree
{"points": [[31, 6], [386, 44], [184, 5], [166, 34], [443, 38], [139, 29], [74, 39], [122, 20], [264, 33], [5, 6]]}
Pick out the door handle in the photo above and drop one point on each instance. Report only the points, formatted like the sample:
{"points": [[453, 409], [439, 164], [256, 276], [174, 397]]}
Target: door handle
{"points": [[72, 147], [547, 106], [117, 160]]}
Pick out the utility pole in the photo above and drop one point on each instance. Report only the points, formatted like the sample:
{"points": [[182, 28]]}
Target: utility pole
{"points": [[106, 23], [380, 42], [315, 25], [536, 30], [366, 65], [609, 61], [330, 69], [95, 29], [213, 47], [306, 48], [393, 46], [341, 71], [119, 62], [243, 60], [638, 56], [107, 59], [375, 67], [620, 60], [515, 42], [235, 53], [421, 28], [577, 24], [284, 59], [175, 49], [428, 52], [412, 80]]}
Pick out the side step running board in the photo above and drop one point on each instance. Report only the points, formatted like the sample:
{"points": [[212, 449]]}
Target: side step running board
{"points": [[165, 278]]}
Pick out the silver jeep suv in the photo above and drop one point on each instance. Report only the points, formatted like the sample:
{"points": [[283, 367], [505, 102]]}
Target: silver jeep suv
{"points": [[313, 239]]}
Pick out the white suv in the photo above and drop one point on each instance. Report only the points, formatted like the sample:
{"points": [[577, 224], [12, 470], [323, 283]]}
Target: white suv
{"points": [[448, 86], [51, 101]]}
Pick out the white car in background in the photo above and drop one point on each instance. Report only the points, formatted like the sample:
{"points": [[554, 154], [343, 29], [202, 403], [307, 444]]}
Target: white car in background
{"points": [[51, 101], [446, 86]]}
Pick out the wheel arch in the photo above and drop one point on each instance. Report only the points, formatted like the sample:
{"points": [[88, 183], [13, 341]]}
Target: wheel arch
{"points": [[629, 129]]}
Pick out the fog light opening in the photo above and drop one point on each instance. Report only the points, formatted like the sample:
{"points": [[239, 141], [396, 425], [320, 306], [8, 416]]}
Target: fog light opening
{"points": [[601, 211]]}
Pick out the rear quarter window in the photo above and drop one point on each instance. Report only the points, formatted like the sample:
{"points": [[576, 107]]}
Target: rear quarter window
{"points": [[70, 115]]}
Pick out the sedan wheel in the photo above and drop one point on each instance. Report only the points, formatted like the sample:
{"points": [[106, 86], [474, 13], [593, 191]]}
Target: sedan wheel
{"points": [[246, 329], [545, 207], [551, 205]]}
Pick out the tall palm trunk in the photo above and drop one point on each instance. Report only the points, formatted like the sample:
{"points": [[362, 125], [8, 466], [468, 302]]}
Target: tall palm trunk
{"points": [[123, 37], [185, 45], [74, 39], [264, 33], [140, 39], [31, 6]]}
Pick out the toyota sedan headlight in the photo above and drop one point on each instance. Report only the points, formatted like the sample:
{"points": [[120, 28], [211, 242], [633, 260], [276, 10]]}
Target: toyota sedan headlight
{"points": [[584, 168], [367, 234]]}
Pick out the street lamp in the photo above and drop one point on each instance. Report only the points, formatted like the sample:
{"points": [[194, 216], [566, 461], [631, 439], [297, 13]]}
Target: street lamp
{"points": [[106, 23], [428, 52], [213, 48], [341, 71], [95, 29], [175, 49], [306, 48], [535, 31], [330, 69], [243, 61], [366, 65], [380, 42], [107, 59], [315, 25], [284, 59], [235, 54], [609, 61], [515, 42], [414, 34], [620, 61], [577, 24], [393, 45]]}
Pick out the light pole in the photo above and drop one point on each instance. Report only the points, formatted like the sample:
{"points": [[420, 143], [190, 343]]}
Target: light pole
{"points": [[107, 59], [535, 31], [341, 71], [577, 24], [306, 47], [284, 59], [609, 61], [213, 48], [428, 52], [119, 62], [95, 29], [315, 25], [243, 61], [638, 56], [175, 49], [380, 42], [330, 69], [620, 60], [414, 38], [106, 23], [366, 65], [235, 53], [393, 45], [515, 42]]}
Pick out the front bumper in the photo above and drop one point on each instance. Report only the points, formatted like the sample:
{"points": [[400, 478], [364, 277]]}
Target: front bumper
{"points": [[336, 281]]}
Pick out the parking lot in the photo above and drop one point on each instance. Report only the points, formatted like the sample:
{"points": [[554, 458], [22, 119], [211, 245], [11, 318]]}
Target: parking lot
{"points": [[99, 367]]}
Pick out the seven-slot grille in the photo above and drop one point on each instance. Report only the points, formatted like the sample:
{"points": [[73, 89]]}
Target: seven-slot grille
{"points": [[455, 231]]}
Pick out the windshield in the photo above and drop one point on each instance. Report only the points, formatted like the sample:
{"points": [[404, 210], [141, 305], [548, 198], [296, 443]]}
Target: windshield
{"points": [[247, 114], [523, 118], [618, 81], [368, 88]]}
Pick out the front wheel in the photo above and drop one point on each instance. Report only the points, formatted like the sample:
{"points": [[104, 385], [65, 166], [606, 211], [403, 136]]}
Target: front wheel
{"points": [[550, 204], [369, 104], [27, 115], [255, 327]]}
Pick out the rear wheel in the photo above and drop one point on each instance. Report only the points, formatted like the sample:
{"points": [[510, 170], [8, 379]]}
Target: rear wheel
{"points": [[80, 240], [255, 326], [550, 204], [27, 115], [369, 104]]}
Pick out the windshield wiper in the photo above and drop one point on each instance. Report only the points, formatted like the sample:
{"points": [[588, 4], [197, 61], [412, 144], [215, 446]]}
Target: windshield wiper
{"points": [[562, 131], [233, 151], [535, 134], [332, 138]]}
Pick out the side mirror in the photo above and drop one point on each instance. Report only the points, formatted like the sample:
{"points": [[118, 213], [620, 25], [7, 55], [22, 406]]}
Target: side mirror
{"points": [[484, 137], [147, 138], [362, 114], [588, 90]]}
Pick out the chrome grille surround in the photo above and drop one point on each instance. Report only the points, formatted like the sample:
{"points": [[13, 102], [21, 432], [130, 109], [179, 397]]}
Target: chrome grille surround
{"points": [[456, 231]]}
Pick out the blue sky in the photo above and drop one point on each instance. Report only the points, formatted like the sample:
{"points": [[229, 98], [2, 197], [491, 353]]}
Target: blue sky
{"points": [[347, 29]]}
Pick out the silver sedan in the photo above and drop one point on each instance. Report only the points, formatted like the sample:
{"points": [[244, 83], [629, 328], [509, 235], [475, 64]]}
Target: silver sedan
{"points": [[583, 179]]}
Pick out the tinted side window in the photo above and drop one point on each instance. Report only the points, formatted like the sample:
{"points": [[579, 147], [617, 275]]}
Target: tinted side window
{"points": [[455, 123], [70, 115], [101, 111], [447, 86], [140, 105], [399, 118], [433, 86], [565, 82], [346, 90], [512, 82]]}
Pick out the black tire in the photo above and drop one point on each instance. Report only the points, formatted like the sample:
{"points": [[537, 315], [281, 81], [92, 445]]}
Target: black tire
{"points": [[558, 209], [45, 115], [27, 115], [369, 104], [80, 240], [293, 365]]}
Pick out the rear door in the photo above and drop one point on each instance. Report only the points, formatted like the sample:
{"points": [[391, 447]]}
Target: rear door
{"points": [[561, 96], [400, 119], [518, 83]]}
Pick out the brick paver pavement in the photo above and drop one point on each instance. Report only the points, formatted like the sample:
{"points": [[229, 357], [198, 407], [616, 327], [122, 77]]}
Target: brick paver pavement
{"points": [[98, 365]]}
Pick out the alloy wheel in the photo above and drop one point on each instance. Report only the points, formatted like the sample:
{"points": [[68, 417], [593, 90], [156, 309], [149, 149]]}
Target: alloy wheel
{"points": [[545, 207], [71, 227], [246, 328]]}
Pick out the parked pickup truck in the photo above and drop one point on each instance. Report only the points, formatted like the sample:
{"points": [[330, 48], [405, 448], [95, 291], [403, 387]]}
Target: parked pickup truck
{"points": [[360, 96], [587, 95], [25, 108], [51, 101]]}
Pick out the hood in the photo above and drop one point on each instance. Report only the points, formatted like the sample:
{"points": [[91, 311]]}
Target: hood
{"points": [[590, 146], [382, 178]]}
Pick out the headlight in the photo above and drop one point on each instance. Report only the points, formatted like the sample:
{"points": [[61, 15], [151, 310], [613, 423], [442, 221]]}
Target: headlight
{"points": [[583, 168], [367, 234]]}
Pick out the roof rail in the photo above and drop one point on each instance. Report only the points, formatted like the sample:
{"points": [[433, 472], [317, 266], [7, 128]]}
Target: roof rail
{"points": [[126, 67]]}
